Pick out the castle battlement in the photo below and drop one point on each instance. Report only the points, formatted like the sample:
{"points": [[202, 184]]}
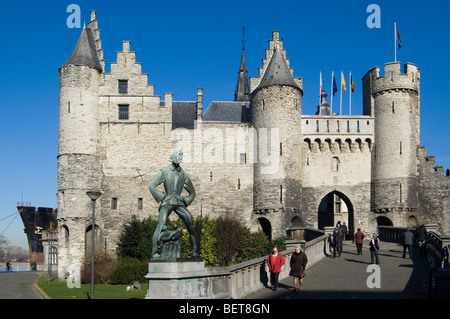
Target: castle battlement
{"points": [[394, 80]]}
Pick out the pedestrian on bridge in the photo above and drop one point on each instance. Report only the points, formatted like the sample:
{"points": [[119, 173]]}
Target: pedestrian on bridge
{"points": [[358, 239], [298, 265], [408, 239], [374, 248], [337, 240], [275, 261]]}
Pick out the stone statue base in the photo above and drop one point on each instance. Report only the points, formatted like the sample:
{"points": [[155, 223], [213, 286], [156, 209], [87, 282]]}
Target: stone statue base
{"points": [[177, 279]]}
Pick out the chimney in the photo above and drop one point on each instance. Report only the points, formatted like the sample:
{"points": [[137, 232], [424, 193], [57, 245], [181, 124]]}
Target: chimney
{"points": [[199, 103]]}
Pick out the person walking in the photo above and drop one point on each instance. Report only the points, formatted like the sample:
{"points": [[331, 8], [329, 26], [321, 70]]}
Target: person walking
{"points": [[358, 239], [374, 248], [275, 261], [345, 228], [422, 239], [337, 240], [298, 265], [408, 239]]}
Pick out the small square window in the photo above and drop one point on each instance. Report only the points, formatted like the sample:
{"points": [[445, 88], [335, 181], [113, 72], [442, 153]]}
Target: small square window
{"points": [[140, 203], [123, 86], [124, 112]]}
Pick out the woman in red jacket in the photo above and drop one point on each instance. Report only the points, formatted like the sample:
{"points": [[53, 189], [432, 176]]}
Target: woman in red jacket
{"points": [[274, 262]]}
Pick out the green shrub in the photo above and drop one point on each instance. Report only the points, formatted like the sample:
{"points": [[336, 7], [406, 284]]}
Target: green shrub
{"points": [[128, 270]]}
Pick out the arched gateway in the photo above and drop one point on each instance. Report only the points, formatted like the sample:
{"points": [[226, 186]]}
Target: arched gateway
{"points": [[334, 207]]}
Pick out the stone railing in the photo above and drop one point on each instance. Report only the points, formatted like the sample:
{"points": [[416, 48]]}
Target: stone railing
{"points": [[193, 280], [247, 277]]}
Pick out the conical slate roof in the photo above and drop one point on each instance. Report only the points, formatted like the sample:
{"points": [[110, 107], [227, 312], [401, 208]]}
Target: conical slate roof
{"points": [[277, 72], [85, 51]]}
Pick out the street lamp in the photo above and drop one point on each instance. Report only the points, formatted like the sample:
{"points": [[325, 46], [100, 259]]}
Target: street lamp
{"points": [[93, 196]]}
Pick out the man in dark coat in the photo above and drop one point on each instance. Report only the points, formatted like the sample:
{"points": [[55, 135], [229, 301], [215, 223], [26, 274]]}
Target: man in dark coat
{"points": [[298, 265]]}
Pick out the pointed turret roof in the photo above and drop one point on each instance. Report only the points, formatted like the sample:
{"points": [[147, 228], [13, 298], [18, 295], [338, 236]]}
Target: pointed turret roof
{"points": [[242, 92], [277, 72], [85, 51]]}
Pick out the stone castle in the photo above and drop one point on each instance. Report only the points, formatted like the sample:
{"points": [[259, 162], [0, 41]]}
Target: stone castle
{"points": [[257, 158]]}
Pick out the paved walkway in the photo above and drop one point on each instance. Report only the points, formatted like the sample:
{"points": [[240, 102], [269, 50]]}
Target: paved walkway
{"points": [[345, 277], [19, 285]]}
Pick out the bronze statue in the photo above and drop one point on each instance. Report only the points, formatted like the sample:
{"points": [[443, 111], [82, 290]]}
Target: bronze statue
{"points": [[174, 179]]}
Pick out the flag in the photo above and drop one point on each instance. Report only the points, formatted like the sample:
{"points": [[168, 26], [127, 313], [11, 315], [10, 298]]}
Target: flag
{"points": [[334, 85], [321, 85], [344, 87], [352, 84], [399, 38]]}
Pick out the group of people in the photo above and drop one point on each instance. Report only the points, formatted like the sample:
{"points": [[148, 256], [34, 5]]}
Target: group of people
{"points": [[299, 259], [297, 263]]}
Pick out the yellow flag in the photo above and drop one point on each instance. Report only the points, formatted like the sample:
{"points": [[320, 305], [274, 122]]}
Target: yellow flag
{"points": [[344, 87]]}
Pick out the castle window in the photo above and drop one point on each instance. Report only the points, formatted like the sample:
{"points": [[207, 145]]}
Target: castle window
{"points": [[124, 112], [243, 158], [123, 86], [239, 184], [393, 108], [140, 203], [334, 164], [357, 126], [114, 203]]}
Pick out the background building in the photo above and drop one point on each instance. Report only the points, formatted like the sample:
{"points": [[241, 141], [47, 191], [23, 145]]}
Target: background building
{"points": [[257, 158]]}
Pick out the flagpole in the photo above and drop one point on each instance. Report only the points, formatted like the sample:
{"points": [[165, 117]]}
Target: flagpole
{"points": [[350, 93], [395, 41], [320, 95], [331, 105], [340, 108]]}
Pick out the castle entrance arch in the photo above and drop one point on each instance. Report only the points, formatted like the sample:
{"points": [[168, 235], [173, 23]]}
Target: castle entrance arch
{"points": [[384, 221], [334, 207], [266, 227]]}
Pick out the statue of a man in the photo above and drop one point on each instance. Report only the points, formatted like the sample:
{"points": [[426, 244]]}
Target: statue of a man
{"points": [[174, 179]]}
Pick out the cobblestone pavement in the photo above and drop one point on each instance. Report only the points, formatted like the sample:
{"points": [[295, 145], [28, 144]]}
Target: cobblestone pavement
{"points": [[347, 276]]}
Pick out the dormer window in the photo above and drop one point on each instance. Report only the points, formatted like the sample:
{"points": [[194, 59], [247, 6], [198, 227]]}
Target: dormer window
{"points": [[123, 86]]}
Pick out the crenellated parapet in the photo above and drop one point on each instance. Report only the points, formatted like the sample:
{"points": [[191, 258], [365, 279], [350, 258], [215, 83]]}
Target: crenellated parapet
{"points": [[394, 80]]}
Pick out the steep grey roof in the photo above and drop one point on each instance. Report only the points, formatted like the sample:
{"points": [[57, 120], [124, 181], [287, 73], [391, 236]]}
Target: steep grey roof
{"points": [[232, 111], [85, 51], [183, 114], [277, 72]]}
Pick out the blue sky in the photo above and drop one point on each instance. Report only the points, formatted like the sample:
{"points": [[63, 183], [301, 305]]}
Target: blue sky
{"points": [[184, 45]]}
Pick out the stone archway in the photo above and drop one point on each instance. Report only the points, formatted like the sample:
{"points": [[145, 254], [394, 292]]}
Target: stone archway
{"points": [[266, 227], [88, 239], [384, 221], [334, 207]]}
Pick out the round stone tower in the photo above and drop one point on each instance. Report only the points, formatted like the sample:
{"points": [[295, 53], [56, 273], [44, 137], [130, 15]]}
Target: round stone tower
{"points": [[394, 100], [78, 161], [276, 112]]}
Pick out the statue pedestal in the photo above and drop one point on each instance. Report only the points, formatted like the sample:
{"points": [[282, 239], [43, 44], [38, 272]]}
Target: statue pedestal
{"points": [[176, 279]]}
